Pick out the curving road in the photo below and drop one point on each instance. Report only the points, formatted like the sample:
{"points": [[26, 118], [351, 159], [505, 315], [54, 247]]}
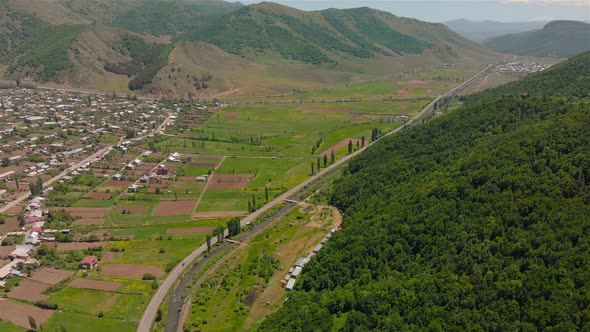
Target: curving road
{"points": [[152, 308]]}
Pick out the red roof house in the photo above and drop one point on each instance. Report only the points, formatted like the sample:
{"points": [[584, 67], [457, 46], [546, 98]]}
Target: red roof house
{"points": [[88, 263]]}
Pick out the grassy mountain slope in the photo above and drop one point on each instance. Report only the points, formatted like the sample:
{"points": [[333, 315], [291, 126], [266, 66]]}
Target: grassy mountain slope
{"points": [[171, 18], [299, 50], [477, 220], [322, 37], [480, 31], [558, 38]]}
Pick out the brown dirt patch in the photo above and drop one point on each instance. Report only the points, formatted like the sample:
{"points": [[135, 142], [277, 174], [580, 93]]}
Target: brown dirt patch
{"points": [[232, 115], [115, 183], [88, 221], [139, 209], [85, 212], [414, 83], [190, 230], [229, 181], [10, 225], [19, 314], [78, 245], [109, 256], [174, 208], [135, 271], [51, 276], [161, 185], [15, 209], [218, 214], [5, 251], [30, 290], [101, 285], [251, 297], [98, 195], [341, 145]]}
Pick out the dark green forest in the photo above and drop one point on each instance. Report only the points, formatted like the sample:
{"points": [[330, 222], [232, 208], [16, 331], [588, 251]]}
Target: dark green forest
{"points": [[146, 60], [475, 221]]}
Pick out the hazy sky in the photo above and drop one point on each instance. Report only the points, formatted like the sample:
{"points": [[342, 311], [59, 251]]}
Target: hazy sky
{"points": [[444, 10]]}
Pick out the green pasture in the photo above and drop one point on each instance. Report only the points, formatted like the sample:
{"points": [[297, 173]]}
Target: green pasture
{"points": [[150, 251], [225, 200], [72, 321]]}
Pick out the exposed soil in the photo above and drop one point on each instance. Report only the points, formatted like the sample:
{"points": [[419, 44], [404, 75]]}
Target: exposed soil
{"points": [[229, 181], [85, 212], [232, 115], [77, 245], [30, 290], [139, 209], [174, 208], [19, 314], [115, 183], [98, 195], [5, 251], [135, 271], [88, 221], [109, 256], [249, 300], [11, 224], [50, 276], [190, 230], [101, 285]]}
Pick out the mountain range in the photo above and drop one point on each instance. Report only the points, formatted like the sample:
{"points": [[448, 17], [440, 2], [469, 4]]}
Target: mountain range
{"points": [[480, 31], [171, 46], [562, 39]]}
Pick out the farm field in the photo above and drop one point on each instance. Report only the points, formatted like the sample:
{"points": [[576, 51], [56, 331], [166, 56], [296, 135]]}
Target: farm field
{"points": [[240, 158], [417, 84], [235, 296]]}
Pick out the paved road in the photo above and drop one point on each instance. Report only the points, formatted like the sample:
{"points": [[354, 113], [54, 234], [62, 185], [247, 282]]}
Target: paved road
{"points": [[92, 157], [152, 308]]}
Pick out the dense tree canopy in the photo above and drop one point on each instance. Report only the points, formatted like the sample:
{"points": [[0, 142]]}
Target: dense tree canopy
{"points": [[478, 220]]}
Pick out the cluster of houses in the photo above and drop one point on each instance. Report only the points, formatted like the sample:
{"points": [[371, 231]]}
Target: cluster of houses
{"points": [[294, 272], [43, 132], [520, 67]]}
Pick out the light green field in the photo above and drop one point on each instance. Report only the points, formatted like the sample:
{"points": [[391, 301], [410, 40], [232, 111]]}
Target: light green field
{"points": [[115, 305], [225, 200], [148, 251], [70, 321], [6, 326], [221, 300]]}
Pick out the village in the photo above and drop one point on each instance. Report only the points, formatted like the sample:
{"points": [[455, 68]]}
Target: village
{"points": [[520, 67], [51, 140]]}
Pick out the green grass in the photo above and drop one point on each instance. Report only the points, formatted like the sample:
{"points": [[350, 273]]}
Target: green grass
{"points": [[224, 200], [147, 251], [111, 304], [152, 232], [219, 301], [70, 321], [6, 326]]}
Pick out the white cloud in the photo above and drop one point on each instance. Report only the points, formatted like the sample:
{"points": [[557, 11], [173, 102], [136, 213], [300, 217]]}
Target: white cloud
{"points": [[578, 3]]}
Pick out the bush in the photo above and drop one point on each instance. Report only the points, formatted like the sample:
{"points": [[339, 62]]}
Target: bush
{"points": [[46, 305], [149, 276]]}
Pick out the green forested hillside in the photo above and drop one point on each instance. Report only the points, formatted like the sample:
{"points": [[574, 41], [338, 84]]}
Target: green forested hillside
{"points": [[477, 221], [308, 36], [171, 18], [558, 38], [31, 45]]}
